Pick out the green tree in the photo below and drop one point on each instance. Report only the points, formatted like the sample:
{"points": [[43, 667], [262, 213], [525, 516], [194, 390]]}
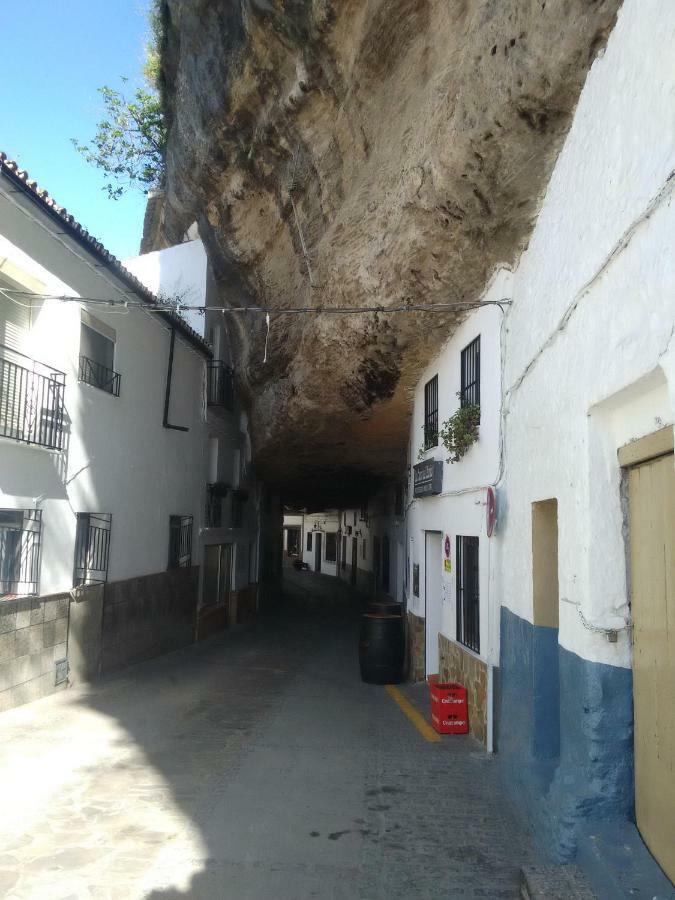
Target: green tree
{"points": [[130, 140]]}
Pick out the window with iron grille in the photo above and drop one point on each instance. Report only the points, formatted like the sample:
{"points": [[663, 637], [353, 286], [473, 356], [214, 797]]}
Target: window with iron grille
{"points": [[238, 507], [470, 392], [431, 413], [92, 548], [20, 533], [331, 547], [468, 606], [214, 505], [309, 540], [97, 356], [180, 542]]}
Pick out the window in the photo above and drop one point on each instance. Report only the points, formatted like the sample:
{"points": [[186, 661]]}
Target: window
{"points": [[468, 621], [331, 547], [309, 540], [238, 506], [97, 356], [470, 393], [20, 532], [180, 542], [431, 413], [398, 501], [92, 548]]}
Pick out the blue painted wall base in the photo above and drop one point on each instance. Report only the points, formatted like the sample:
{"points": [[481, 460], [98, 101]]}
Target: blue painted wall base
{"points": [[588, 775]]}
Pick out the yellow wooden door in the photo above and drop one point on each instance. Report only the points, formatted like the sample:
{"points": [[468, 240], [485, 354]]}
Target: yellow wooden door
{"points": [[652, 552]]}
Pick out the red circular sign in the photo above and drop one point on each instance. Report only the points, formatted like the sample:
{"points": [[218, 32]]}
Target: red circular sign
{"points": [[491, 511], [447, 547]]}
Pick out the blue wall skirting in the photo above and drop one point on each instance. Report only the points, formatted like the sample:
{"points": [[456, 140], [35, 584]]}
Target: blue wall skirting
{"points": [[566, 763]]}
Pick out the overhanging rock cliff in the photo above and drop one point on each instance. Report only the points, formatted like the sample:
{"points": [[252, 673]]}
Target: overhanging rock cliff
{"points": [[360, 152]]}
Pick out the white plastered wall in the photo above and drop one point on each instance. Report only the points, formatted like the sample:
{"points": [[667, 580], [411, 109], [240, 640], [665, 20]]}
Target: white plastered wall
{"points": [[589, 361], [118, 458], [460, 508]]}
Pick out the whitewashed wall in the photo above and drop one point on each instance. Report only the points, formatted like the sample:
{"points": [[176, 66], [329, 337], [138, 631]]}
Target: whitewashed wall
{"points": [[460, 508], [590, 360], [326, 522], [118, 457]]}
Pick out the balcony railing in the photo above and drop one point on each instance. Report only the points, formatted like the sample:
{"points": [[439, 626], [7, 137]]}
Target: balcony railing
{"points": [[220, 385], [31, 400], [99, 376]]}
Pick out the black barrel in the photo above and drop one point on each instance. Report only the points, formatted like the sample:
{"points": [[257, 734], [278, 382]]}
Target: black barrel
{"points": [[385, 607], [381, 647]]}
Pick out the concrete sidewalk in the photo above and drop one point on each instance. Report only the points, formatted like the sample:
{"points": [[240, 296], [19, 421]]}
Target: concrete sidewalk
{"points": [[254, 765]]}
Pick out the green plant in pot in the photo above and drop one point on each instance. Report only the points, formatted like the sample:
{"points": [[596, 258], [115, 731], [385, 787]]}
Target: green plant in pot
{"points": [[460, 431]]}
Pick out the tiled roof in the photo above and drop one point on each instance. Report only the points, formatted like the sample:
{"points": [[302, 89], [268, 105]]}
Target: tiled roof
{"points": [[78, 232]]}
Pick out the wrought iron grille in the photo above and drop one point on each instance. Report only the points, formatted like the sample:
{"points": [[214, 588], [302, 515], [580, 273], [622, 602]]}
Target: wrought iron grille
{"points": [[331, 547], [20, 540], [31, 400], [180, 542], [220, 384], [99, 376], [431, 413], [92, 548], [468, 605], [470, 393]]}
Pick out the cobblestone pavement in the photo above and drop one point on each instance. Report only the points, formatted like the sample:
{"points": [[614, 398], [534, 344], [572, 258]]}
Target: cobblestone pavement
{"points": [[254, 765]]}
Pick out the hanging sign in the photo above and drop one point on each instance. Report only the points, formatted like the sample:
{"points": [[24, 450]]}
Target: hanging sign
{"points": [[428, 478], [491, 511]]}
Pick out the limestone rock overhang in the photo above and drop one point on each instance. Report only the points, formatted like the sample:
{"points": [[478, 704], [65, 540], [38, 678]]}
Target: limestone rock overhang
{"points": [[355, 153]]}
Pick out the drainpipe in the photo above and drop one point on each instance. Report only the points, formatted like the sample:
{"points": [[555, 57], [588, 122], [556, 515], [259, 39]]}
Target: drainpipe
{"points": [[490, 667]]}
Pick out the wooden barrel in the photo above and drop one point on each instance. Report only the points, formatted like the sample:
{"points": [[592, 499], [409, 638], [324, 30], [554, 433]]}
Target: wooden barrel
{"points": [[385, 607], [381, 648]]}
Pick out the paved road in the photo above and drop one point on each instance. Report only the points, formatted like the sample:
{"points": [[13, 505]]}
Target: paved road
{"points": [[254, 765]]}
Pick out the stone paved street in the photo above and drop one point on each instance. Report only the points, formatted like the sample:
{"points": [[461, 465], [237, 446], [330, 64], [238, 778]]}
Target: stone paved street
{"points": [[254, 765]]}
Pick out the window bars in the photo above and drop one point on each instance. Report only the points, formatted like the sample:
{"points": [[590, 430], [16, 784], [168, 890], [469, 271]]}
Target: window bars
{"points": [[20, 541], [31, 400], [99, 376], [331, 547], [92, 548], [470, 392], [180, 542], [468, 605], [431, 413], [219, 384]]}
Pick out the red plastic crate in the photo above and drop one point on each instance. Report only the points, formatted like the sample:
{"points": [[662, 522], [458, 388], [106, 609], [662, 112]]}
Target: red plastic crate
{"points": [[449, 707]]}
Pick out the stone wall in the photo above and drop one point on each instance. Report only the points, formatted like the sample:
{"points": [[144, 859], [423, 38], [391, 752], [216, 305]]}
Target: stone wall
{"points": [[33, 634], [457, 664], [416, 648], [147, 616]]}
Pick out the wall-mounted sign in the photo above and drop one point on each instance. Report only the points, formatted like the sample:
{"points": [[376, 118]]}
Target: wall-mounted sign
{"points": [[447, 565], [491, 511], [428, 478]]}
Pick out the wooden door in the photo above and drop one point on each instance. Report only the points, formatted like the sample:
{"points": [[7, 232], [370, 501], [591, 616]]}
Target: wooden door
{"points": [[652, 555]]}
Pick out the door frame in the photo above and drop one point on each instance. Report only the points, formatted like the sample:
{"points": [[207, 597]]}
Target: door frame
{"points": [[439, 534]]}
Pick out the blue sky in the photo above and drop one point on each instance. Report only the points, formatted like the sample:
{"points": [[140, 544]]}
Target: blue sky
{"points": [[55, 54]]}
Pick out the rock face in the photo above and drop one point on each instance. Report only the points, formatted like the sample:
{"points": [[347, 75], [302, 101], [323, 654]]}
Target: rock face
{"points": [[360, 152]]}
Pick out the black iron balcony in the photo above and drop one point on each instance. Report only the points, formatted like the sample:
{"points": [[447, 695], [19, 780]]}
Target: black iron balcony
{"points": [[31, 400], [99, 376], [220, 385]]}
